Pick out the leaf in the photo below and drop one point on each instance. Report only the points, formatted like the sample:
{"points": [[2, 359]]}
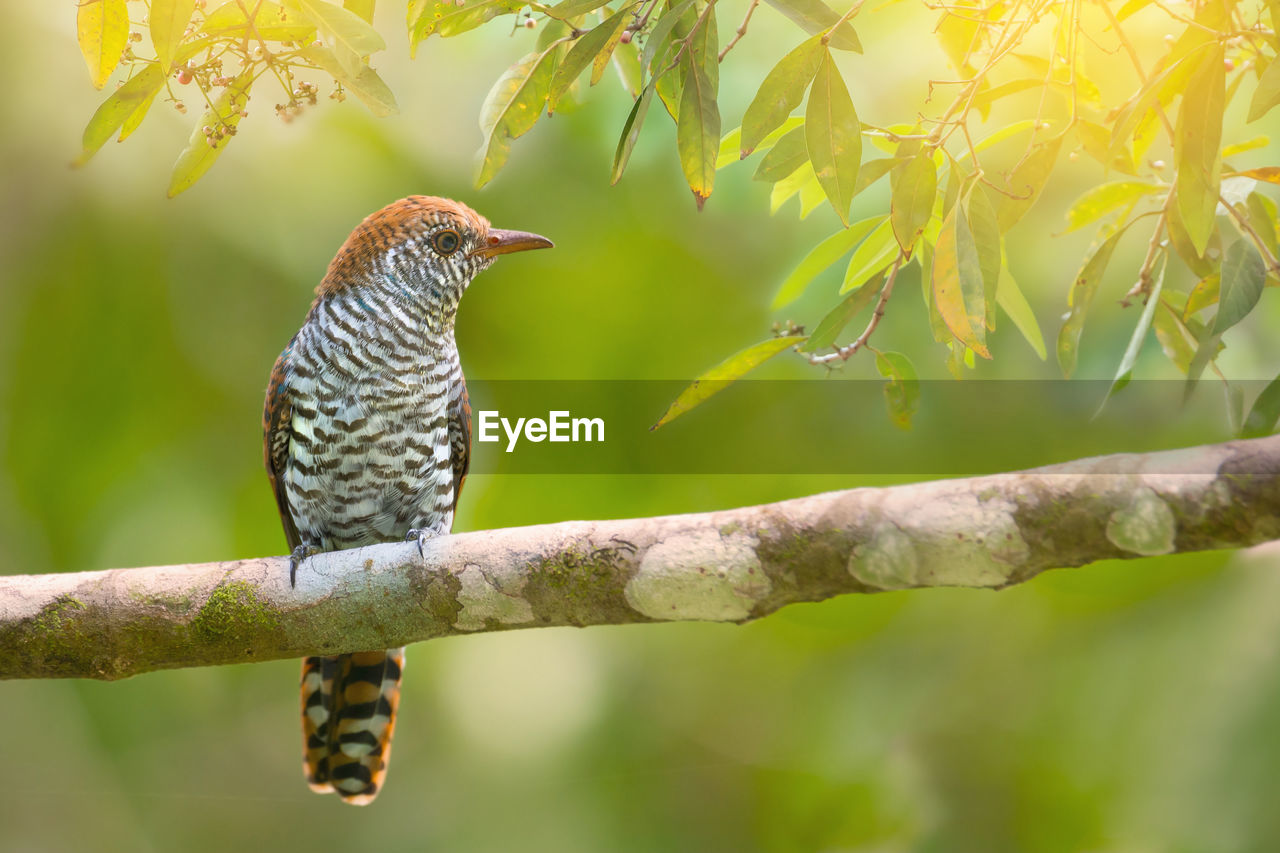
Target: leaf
{"points": [[1130, 7], [731, 142], [1125, 371], [820, 258], [1243, 277], [830, 327], [102, 29], [598, 42], [1261, 211], [1262, 417], [788, 154], [1267, 93], [1204, 294], [631, 132], [1096, 141], [875, 253], [445, 18], [1197, 262], [1026, 181], [872, 171], [1141, 107], [1102, 199], [626, 61], [512, 107], [1176, 338], [833, 136], [790, 185], [729, 370], [698, 124], [1079, 298], [271, 21], [349, 31], [1009, 297], [1247, 145], [200, 153], [987, 240], [568, 9], [915, 184], [168, 22], [1197, 140], [361, 8], [902, 391], [365, 83], [120, 106], [1207, 351], [657, 42], [815, 18], [957, 283], [781, 92], [1270, 174]]}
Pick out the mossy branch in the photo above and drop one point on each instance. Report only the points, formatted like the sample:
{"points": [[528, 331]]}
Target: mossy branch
{"points": [[729, 566]]}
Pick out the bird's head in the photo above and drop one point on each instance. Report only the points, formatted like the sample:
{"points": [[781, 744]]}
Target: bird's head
{"points": [[423, 248]]}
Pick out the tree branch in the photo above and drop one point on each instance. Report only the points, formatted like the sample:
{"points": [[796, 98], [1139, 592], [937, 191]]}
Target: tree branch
{"points": [[729, 566]]}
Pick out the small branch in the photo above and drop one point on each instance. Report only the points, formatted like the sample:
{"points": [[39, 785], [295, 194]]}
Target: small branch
{"points": [[1272, 264], [742, 30], [849, 13], [1143, 285], [730, 566], [843, 353]]}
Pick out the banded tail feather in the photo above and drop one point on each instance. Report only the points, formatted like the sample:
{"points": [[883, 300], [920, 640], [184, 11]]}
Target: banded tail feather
{"points": [[348, 715]]}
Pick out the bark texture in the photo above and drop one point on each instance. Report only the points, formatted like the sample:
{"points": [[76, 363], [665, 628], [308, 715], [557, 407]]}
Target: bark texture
{"points": [[730, 566]]}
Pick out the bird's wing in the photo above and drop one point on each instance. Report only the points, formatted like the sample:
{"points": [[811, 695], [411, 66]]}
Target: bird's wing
{"points": [[277, 432], [460, 437]]}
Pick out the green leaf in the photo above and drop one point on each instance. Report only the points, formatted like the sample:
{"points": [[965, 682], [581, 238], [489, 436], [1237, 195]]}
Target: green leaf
{"points": [[1262, 417], [1267, 94], [1177, 339], [731, 142], [788, 154], [349, 31], [1207, 351], [1247, 145], [1204, 294], [915, 185], [512, 107], [1010, 298], [822, 256], [1141, 108], [200, 153], [872, 171], [1079, 298], [1261, 210], [698, 123], [1026, 181], [1125, 371], [631, 132], [729, 370], [168, 22], [445, 18], [902, 391], [658, 43], [781, 92], [1102, 199], [875, 253], [598, 42], [271, 21], [990, 246], [1197, 140], [365, 83], [1243, 277], [957, 283], [815, 18], [626, 61], [120, 106], [837, 318], [362, 8], [102, 29], [833, 136], [1197, 262], [568, 9], [1130, 7]]}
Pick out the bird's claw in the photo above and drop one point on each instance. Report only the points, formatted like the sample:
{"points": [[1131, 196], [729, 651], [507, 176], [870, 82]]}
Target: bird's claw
{"points": [[420, 536], [295, 559]]}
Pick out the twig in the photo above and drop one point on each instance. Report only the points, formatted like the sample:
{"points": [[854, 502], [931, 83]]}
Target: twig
{"points": [[1243, 224], [886, 290], [742, 30]]}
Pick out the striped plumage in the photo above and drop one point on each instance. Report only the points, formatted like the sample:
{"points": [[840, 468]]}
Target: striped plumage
{"points": [[367, 439]]}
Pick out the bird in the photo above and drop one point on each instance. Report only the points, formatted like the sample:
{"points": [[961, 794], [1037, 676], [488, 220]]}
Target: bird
{"points": [[367, 439]]}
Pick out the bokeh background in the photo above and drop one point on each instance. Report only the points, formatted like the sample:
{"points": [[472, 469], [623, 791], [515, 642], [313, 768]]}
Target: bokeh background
{"points": [[1119, 707]]}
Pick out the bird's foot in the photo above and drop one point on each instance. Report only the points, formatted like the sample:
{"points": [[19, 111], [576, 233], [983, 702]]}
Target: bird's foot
{"points": [[420, 536], [295, 559]]}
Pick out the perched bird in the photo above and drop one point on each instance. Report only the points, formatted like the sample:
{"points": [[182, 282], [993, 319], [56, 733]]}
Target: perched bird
{"points": [[367, 432]]}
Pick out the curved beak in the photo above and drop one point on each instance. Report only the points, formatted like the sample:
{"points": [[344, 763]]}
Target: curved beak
{"points": [[502, 242]]}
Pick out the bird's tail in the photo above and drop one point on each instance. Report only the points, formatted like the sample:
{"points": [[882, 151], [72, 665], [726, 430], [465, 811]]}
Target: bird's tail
{"points": [[348, 714]]}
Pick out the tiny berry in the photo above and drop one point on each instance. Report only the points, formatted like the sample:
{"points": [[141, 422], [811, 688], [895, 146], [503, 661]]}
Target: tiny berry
{"points": [[625, 38], [1157, 164], [1073, 156], [530, 24], [184, 77], [1228, 64]]}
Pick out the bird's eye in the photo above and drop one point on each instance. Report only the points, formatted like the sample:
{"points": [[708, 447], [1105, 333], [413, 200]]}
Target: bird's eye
{"points": [[446, 242]]}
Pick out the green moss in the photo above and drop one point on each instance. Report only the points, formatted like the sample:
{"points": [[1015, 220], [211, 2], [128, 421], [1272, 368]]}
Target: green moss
{"points": [[61, 630], [233, 613]]}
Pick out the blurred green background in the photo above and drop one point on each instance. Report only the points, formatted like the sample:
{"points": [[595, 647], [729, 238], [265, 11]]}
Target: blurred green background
{"points": [[1120, 707]]}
